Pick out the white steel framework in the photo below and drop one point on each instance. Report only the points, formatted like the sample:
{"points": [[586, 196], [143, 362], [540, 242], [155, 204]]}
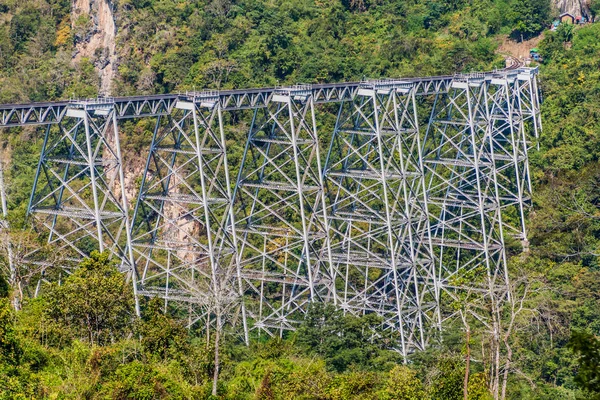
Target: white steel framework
{"points": [[380, 208]]}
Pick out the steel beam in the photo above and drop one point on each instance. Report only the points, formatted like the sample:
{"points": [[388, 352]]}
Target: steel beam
{"points": [[78, 196], [422, 182]]}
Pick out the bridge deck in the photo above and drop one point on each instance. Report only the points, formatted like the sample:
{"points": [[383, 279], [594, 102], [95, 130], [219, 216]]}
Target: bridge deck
{"points": [[44, 113]]}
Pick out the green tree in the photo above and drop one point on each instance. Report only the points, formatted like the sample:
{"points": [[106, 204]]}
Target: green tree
{"points": [[594, 7], [9, 345], [344, 340], [16, 381], [565, 32], [95, 300], [529, 17], [23, 26], [447, 379], [137, 380], [403, 384], [587, 347], [162, 336], [4, 287]]}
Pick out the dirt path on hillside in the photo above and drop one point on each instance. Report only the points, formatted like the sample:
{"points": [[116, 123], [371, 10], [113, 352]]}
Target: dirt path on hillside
{"points": [[518, 50]]}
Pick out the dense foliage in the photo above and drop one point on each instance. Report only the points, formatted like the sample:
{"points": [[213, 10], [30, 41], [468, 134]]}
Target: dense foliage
{"points": [[82, 340], [164, 45], [64, 343]]}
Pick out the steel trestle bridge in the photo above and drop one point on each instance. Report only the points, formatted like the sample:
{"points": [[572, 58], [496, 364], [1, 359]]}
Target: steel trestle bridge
{"points": [[375, 196]]}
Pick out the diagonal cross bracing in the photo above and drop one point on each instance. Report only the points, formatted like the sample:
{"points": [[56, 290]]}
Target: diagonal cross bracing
{"points": [[78, 196], [379, 197], [280, 213]]}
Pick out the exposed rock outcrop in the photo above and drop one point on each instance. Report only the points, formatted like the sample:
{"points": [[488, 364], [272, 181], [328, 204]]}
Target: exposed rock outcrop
{"points": [[577, 8], [93, 23]]}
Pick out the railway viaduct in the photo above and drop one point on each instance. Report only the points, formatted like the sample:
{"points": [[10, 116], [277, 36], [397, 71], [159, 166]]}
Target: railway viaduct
{"points": [[383, 196]]}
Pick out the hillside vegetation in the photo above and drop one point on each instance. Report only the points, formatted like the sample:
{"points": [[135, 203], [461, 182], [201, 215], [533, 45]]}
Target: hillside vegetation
{"points": [[166, 45], [81, 339]]}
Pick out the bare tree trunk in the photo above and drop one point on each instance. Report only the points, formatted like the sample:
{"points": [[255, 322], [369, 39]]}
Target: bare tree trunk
{"points": [[5, 228], [495, 376], [506, 368], [217, 360], [514, 312], [207, 332], [467, 362]]}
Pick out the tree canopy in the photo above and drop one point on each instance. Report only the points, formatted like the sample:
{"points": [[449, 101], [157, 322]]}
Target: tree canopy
{"points": [[81, 339]]}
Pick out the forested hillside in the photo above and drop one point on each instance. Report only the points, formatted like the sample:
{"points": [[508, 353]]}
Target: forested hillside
{"points": [[82, 340], [166, 45]]}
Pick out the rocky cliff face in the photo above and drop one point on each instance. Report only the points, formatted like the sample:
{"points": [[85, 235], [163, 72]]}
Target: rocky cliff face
{"points": [[574, 7], [93, 25], [93, 22]]}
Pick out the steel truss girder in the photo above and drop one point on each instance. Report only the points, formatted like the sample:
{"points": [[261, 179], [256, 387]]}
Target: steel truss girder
{"points": [[420, 184], [153, 105]]}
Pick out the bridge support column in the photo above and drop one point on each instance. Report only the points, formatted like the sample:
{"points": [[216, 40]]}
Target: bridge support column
{"points": [[463, 152], [78, 197], [184, 243], [378, 213], [280, 213]]}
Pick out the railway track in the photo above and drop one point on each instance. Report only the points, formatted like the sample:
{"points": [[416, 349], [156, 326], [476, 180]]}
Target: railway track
{"points": [[514, 63]]}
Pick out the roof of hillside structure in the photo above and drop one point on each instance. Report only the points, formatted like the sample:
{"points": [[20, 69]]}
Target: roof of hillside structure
{"points": [[564, 14]]}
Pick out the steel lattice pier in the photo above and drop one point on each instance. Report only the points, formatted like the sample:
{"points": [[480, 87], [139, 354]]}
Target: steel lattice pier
{"points": [[374, 196]]}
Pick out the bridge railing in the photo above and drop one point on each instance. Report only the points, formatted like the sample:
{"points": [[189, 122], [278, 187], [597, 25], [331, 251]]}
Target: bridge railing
{"points": [[378, 207]]}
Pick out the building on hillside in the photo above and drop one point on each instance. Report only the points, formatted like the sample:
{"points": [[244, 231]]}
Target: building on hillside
{"points": [[566, 18]]}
